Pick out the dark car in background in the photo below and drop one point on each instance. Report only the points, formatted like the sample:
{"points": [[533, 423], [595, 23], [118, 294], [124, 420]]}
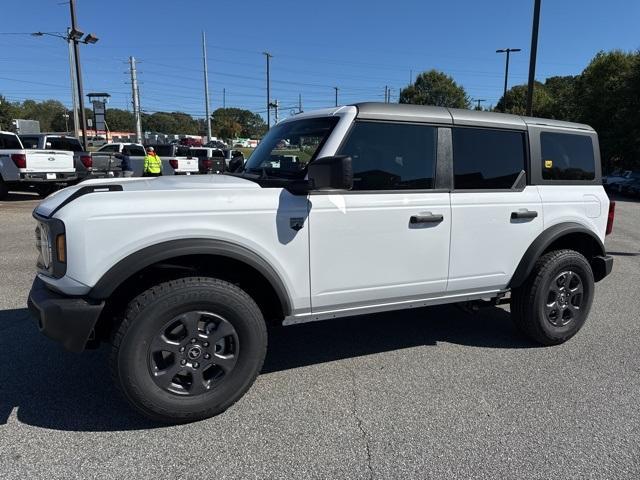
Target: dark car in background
{"points": [[210, 160]]}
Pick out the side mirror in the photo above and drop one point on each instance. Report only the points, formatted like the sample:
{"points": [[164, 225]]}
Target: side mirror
{"points": [[331, 173]]}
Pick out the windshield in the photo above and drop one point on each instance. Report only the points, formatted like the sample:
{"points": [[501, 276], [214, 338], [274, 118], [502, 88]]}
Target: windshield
{"points": [[288, 147]]}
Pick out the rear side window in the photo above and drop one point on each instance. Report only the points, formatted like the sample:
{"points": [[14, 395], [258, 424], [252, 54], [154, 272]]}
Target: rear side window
{"points": [[567, 156], [487, 159], [9, 142], [164, 150], [29, 142], [198, 153], [217, 154], [65, 144], [391, 156]]}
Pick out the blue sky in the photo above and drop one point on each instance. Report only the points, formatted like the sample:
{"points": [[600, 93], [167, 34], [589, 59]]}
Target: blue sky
{"points": [[357, 46]]}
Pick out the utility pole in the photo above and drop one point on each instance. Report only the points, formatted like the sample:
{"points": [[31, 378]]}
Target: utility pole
{"points": [[336, 89], [386, 93], [506, 69], [74, 87], [268, 56], [76, 56], [224, 98], [206, 85], [479, 100], [532, 58], [135, 96], [276, 106], [410, 77], [299, 103]]}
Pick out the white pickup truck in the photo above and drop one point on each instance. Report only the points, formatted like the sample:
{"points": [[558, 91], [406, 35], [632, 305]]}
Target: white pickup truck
{"points": [[39, 170]]}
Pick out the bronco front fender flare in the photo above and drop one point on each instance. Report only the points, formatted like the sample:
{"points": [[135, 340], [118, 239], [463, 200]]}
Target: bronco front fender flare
{"points": [[148, 256]]}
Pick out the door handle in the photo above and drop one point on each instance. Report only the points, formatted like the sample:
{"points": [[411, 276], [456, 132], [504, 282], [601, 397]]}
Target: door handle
{"points": [[526, 214], [426, 217]]}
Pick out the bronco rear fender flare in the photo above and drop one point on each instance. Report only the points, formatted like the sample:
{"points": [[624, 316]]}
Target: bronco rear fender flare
{"points": [[148, 256], [547, 238]]}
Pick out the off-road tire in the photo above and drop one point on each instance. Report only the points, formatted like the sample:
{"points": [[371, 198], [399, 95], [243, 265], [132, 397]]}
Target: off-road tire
{"points": [[529, 301], [149, 311], [4, 190]]}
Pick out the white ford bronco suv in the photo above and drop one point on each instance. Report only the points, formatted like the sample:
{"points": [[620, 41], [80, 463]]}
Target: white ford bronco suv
{"points": [[346, 211]]}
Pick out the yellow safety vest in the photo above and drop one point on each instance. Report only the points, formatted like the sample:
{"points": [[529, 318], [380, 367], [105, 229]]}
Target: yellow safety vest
{"points": [[152, 164]]}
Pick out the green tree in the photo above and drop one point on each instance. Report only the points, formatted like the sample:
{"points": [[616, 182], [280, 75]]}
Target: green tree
{"points": [[435, 88], [171, 123], [236, 122], [515, 101], [120, 120], [605, 92], [8, 111]]}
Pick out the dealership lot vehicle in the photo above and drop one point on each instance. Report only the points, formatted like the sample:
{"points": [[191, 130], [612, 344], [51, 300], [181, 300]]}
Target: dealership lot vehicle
{"points": [[127, 158], [436, 389], [478, 206], [82, 160], [176, 159], [25, 169], [210, 160]]}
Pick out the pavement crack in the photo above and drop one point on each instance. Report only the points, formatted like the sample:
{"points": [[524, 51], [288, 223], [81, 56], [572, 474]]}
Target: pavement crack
{"points": [[359, 422]]}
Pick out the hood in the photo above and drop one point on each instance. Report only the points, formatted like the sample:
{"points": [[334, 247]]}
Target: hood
{"points": [[173, 183]]}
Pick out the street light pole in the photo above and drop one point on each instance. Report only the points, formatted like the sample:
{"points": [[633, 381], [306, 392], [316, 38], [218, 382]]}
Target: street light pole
{"points": [[506, 70], [76, 54], [206, 85], [74, 87], [336, 89], [532, 58], [268, 55]]}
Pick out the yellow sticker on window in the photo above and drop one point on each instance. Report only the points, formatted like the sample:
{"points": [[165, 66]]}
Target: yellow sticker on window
{"points": [[548, 164]]}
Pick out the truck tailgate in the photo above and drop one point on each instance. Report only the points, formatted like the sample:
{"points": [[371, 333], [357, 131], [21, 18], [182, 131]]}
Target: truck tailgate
{"points": [[187, 164], [49, 161], [105, 162]]}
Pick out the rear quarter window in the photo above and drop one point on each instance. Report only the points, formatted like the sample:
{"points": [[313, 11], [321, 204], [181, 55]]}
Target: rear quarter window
{"points": [[567, 156]]}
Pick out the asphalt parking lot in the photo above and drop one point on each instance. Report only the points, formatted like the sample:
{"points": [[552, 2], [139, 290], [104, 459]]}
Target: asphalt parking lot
{"points": [[429, 393]]}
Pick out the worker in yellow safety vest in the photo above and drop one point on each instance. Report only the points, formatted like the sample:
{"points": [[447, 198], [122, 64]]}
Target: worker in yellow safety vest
{"points": [[152, 164]]}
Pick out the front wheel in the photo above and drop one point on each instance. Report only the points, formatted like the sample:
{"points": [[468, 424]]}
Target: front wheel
{"points": [[554, 302], [188, 349]]}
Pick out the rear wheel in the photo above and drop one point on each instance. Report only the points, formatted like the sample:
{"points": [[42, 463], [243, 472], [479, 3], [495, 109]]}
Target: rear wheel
{"points": [[188, 349], [4, 190], [554, 302]]}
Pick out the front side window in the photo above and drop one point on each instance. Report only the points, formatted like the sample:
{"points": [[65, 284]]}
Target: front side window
{"points": [[567, 156], [391, 156], [109, 148], [487, 159], [288, 147]]}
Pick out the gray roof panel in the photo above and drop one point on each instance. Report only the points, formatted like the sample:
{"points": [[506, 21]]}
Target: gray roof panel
{"points": [[430, 114], [403, 112], [474, 118]]}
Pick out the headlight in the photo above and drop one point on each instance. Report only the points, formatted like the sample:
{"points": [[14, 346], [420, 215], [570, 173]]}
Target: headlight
{"points": [[43, 245], [51, 244]]}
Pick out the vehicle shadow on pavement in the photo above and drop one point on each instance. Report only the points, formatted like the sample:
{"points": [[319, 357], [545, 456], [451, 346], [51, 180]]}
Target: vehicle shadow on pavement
{"points": [[51, 388], [21, 197], [329, 340]]}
